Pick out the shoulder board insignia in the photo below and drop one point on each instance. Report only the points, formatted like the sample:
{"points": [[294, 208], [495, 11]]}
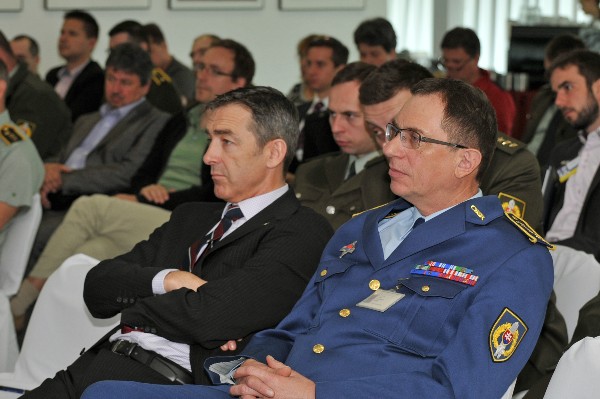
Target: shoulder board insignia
{"points": [[10, 134], [526, 229], [367, 210], [512, 204], [508, 144], [159, 76], [27, 126]]}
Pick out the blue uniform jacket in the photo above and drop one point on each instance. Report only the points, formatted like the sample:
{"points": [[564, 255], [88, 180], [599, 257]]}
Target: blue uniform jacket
{"points": [[443, 339]]}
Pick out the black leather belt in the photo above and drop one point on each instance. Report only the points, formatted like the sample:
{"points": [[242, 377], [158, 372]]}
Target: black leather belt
{"points": [[165, 367]]}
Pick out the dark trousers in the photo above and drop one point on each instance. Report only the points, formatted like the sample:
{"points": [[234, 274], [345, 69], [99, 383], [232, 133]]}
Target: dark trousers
{"points": [[98, 364]]}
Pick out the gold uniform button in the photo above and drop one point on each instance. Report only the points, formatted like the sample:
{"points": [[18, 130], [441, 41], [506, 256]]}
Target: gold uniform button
{"points": [[323, 272], [425, 288], [345, 312], [318, 348], [374, 285], [330, 209]]}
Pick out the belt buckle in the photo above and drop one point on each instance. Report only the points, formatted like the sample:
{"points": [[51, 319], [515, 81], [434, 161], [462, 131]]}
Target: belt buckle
{"points": [[123, 347]]}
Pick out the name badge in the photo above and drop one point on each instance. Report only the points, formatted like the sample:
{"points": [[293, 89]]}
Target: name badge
{"points": [[381, 300], [567, 170]]}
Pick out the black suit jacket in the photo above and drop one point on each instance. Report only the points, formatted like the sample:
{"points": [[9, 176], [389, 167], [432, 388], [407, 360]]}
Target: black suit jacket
{"points": [[255, 275], [87, 91], [587, 232]]}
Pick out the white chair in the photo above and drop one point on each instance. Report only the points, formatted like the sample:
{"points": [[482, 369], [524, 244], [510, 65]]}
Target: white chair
{"points": [[59, 328], [576, 375], [19, 239], [576, 281], [13, 261]]}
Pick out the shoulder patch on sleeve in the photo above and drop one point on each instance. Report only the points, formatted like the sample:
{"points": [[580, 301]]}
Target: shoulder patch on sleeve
{"points": [[512, 204], [27, 126], [526, 229], [508, 144], [159, 76], [10, 134], [505, 335]]}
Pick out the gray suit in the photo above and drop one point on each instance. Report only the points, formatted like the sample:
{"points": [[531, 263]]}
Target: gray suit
{"points": [[111, 165]]}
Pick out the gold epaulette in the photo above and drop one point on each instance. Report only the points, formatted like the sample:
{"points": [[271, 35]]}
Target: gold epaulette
{"points": [[11, 134], [526, 229], [508, 144], [159, 76], [367, 210]]}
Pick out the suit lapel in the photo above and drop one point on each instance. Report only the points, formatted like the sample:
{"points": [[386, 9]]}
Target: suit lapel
{"points": [[124, 124], [83, 128]]}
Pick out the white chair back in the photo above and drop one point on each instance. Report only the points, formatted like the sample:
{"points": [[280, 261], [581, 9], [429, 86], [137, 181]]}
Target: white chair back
{"points": [[17, 246], [576, 281], [577, 372], [59, 328]]}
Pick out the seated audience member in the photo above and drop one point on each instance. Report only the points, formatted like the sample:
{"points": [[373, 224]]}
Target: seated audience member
{"points": [[104, 227], [384, 315], [546, 125], [80, 82], [339, 185], [199, 47], [162, 94], [182, 76], [460, 56], [34, 106], [573, 189], [213, 272], [107, 147], [21, 169], [301, 93], [513, 175], [325, 56], [27, 50], [375, 40]]}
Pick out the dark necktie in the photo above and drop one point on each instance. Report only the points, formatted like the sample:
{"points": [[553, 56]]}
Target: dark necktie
{"points": [[233, 213], [351, 170], [316, 109]]}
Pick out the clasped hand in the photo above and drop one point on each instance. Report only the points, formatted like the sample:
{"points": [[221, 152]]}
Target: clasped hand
{"points": [[271, 380]]}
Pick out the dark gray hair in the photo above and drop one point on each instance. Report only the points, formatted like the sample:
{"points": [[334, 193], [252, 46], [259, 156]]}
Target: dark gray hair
{"points": [[273, 115], [469, 119]]}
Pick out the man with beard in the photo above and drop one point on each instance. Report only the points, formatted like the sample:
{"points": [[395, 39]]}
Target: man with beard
{"points": [[573, 195]]}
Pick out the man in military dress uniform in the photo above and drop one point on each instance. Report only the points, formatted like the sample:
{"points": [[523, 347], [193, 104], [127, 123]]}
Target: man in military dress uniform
{"points": [[409, 298]]}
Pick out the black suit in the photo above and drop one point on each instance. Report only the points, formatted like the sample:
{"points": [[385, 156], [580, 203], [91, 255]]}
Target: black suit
{"points": [[587, 232], [255, 275], [86, 92]]}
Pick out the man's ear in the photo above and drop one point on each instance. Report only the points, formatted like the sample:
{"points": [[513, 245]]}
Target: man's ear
{"points": [[596, 90], [469, 160], [275, 151]]}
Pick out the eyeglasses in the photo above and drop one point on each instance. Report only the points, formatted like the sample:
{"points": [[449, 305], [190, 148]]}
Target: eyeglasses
{"points": [[457, 65], [212, 70], [411, 139]]}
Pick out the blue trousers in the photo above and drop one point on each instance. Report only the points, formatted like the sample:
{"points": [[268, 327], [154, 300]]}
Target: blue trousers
{"points": [[139, 390]]}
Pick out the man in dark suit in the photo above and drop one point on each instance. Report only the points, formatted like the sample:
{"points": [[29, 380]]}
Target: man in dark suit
{"points": [[573, 192], [80, 82], [185, 291]]}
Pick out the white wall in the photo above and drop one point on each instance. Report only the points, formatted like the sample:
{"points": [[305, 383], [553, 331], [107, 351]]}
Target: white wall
{"points": [[269, 33]]}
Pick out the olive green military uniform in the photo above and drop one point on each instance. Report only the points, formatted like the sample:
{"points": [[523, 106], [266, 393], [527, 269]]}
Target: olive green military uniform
{"points": [[163, 94], [35, 107], [21, 169], [320, 185], [514, 175]]}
